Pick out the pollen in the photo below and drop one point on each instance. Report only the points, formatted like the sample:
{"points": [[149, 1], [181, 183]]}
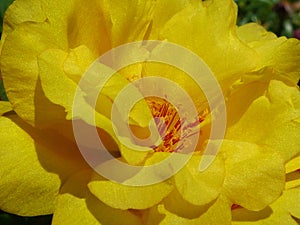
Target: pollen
{"points": [[172, 128]]}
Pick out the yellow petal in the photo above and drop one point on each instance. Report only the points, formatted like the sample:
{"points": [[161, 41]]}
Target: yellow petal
{"points": [[44, 26], [19, 70], [293, 165], [180, 78], [134, 157], [161, 16], [5, 107], [218, 213], [209, 30], [292, 169], [254, 174], [280, 212], [33, 167], [128, 20], [75, 23], [75, 205], [264, 217], [292, 180], [125, 197], [61, 90], [19, 12], [200, 188], [290, 201], [58, 88], [174, 203], [81, 22], [77, 62], [279, 54], [272, 119], [254, 32], [67, 69]]}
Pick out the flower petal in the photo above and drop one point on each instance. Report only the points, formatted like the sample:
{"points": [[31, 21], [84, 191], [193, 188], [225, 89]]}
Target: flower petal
{"points": [[280, 54], [243, 216], [128, 197], [272, 119], [58, 88], [19, 70], [31, 169], [130, 26], [61, 89], [290, 201], [19, 12], [5, 107], [67, 69], [200, 188], [209, 29], [292, 180], [254, 174], [80, 23], [174, 203], [218, 213], [254, 32], [75, 205], [292, 169], [293, 165], [280, 212], [161, 16], [44, 26]]}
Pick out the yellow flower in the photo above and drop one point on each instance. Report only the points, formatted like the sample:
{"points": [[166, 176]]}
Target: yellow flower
{"points": [[46, 48]]}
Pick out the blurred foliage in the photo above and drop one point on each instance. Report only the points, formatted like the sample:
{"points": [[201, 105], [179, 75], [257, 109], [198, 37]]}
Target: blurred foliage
{"points": [[279, 16], [10, 219]]}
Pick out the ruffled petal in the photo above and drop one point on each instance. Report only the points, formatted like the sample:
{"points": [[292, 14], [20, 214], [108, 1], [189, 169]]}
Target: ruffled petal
{"points": [[292, 169], [264, 217], [128, 197], [32, 167], [58, 88], [161, 16], [209, 30], [254, 32], [271, 119], [280, 212], [290, 201], [5, 107], [19, 12], [175, 204], [75, 22], [75, 205], [218, 213], [44, 26], [61, 88], [200, 188], [128, 20], [19, 70], [80, 22], [293, 165], [254, 174], [279, 54], [292, 180]]}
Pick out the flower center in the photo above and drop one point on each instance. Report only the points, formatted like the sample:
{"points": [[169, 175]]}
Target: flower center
{"points": [[170, 126]]}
